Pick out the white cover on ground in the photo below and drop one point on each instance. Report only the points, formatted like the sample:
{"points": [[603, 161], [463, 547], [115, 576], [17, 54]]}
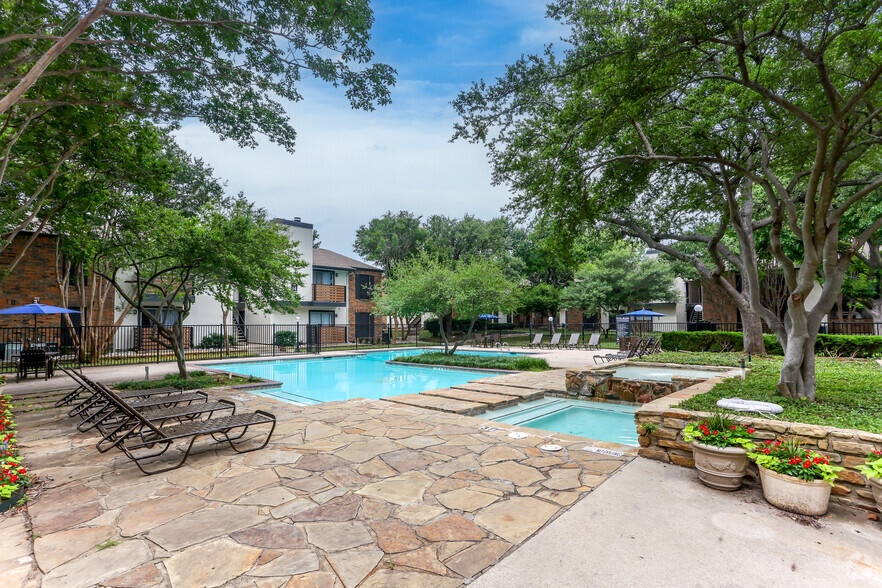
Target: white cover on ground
{"points": [[749, 405]]}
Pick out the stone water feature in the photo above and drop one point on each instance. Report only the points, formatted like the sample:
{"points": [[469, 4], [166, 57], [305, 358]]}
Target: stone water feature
{"points": [[601, 384]]}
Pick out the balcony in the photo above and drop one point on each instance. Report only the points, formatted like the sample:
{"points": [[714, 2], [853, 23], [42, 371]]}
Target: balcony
{"points": [[329, 293]]}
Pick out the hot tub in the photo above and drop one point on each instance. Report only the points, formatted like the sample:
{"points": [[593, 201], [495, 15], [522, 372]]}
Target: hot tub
{"points": [[637, 382]]}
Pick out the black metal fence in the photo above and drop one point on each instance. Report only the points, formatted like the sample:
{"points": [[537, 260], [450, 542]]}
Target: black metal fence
{"points": [[132, 344]]}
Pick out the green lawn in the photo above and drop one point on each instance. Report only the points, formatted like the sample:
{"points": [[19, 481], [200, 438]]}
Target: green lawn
{"points": [[197, 380], [849, 393], [490, 362]]}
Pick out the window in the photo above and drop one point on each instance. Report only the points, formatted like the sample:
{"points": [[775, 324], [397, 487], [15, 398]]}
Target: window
{"points": [[323, 277], [167, 316], [364, 325], [364, 286], [321, 317]]}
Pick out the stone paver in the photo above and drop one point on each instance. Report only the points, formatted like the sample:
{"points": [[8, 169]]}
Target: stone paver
{"points": [[437, 403], [491, 400], [362, 493], [524, 394]]}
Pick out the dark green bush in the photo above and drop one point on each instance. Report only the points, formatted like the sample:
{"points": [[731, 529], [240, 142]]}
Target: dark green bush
{"points": [[215, 341], [196, 380], [461, 326], [522, 363], [285, 339], [835, 345]]}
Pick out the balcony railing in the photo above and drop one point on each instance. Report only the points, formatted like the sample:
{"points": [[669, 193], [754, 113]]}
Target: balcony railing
{"points": [[328, 293]]}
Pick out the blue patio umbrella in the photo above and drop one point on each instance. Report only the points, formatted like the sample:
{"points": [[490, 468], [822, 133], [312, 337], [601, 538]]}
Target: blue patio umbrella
{"points": [[35, 309], [643, 312], [487, 316]]}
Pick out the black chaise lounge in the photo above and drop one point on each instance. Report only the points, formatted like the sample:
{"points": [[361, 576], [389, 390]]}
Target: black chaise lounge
{"points": [[139, 433]]}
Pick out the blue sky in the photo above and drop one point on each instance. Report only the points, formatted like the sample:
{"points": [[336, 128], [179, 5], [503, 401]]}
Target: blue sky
{"points": [[351, 166]]}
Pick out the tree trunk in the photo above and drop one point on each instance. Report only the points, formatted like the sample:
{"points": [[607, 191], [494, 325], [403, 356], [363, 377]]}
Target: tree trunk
{"points": [[443, 331], [797, 378], [465, 337], [178, 347], [752, 325]]}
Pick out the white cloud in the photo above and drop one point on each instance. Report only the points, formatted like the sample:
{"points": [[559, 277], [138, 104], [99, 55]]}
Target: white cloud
{"points": [[353, 166]]}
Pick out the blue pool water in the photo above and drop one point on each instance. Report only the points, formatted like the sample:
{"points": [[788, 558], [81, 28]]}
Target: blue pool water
{"points": [[311, 381], [595, 420]]}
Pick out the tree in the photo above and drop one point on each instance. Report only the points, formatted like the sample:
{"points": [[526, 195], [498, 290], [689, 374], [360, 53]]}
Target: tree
{"points": [[544, 299], [444, 288], [70, 71], [390, 239], [619, 280], [709, 123], [162, 258]]}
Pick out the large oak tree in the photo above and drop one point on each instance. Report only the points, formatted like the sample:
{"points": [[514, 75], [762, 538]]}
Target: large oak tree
{"points": [[721, 123]]}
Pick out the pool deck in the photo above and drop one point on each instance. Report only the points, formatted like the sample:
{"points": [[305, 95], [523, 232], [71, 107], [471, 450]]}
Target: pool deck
{"points": [[358, 493]]}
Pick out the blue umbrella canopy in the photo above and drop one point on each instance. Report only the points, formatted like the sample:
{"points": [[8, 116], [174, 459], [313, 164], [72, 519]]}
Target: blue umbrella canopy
{"points": [[488, 316], [36, 308], [643, 312]]}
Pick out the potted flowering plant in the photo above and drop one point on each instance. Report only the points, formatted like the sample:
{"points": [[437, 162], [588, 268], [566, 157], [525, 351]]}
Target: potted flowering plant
{"points": [[719, 446], [794, 478], [872, 469]]}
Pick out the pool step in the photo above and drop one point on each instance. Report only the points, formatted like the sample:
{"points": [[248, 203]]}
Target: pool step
{"points": [[521, 393], [439, 403], [490, 400]]}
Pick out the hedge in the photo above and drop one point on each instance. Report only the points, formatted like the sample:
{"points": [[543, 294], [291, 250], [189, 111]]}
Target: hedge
{"points": [[216, 341], [285, 339], [462, 325], [833, 345]]}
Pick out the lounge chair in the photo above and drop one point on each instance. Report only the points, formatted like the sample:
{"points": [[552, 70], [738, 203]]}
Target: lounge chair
{"points": [[593, 341], [536, 342], [555, 341], [573, 343], [140, 433], [619, 355], [34, 360]]}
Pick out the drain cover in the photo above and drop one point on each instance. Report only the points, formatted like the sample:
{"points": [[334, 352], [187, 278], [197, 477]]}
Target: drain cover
{"points": [[518, 435], [550, 447]]}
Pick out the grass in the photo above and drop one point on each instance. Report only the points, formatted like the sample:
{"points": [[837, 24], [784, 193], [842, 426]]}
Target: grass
{"points": [[849, 392], [197, 379], [490, 362], [107, 544]]}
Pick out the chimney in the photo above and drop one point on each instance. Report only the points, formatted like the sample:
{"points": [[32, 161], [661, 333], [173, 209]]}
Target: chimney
{"points": [[296, 219]]}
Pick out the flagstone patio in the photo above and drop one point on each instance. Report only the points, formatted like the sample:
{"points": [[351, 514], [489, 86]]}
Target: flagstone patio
{"points": [[359, 493]]}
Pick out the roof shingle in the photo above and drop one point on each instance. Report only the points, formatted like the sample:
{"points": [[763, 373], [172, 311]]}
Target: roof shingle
{"points": [[330, 259]]}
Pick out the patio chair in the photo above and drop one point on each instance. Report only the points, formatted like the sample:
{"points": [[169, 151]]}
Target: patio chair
{"points": [[619, 355], [573, 343], [33, 360], [536, 342], [555, 341], [593, 341], [142, 434], [105, 409], [88, 392]]}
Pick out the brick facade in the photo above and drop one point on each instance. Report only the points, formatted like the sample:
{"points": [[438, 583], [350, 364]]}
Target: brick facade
{"points": [[35, 277], [362, 304]]}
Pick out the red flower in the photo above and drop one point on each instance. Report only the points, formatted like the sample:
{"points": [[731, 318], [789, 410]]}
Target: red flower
{"points": [[751, 430]]}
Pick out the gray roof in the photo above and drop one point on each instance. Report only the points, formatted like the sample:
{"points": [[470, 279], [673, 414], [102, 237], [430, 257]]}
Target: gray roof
{"points": [[329, 259]]}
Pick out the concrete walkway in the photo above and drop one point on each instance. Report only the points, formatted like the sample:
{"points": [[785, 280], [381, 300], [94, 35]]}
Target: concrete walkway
{"points": [[653, 524]]}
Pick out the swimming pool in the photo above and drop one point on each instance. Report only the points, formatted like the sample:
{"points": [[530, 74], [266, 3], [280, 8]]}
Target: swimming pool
{"points": [[312, 381], [601, 421]]}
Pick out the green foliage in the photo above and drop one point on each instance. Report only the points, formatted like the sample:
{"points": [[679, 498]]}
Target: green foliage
{"points": [[619, 279], [872, 467], [720, 430], [107, 544], [489, 362], [195, 380], [790, 458], [215, 341], [390, 239], [544, 299], [285, 339], [847, 390], [860, 346], [426, 285]]}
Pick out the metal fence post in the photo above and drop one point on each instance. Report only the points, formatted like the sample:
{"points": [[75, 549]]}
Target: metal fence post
{"points": [[273, 341]]}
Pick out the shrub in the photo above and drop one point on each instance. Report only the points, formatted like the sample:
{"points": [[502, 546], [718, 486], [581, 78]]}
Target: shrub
{"points": [[522, 363], [285, 339], [835, 345], [215, 341]]}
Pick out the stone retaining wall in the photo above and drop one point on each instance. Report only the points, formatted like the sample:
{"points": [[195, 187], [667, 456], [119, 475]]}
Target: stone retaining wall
{"points": [[599, 383], [844, 447]]}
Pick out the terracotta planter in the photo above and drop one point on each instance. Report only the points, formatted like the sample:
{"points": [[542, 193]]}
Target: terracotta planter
{"points": [[876, 485], [721, 468], [795, 495]]}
